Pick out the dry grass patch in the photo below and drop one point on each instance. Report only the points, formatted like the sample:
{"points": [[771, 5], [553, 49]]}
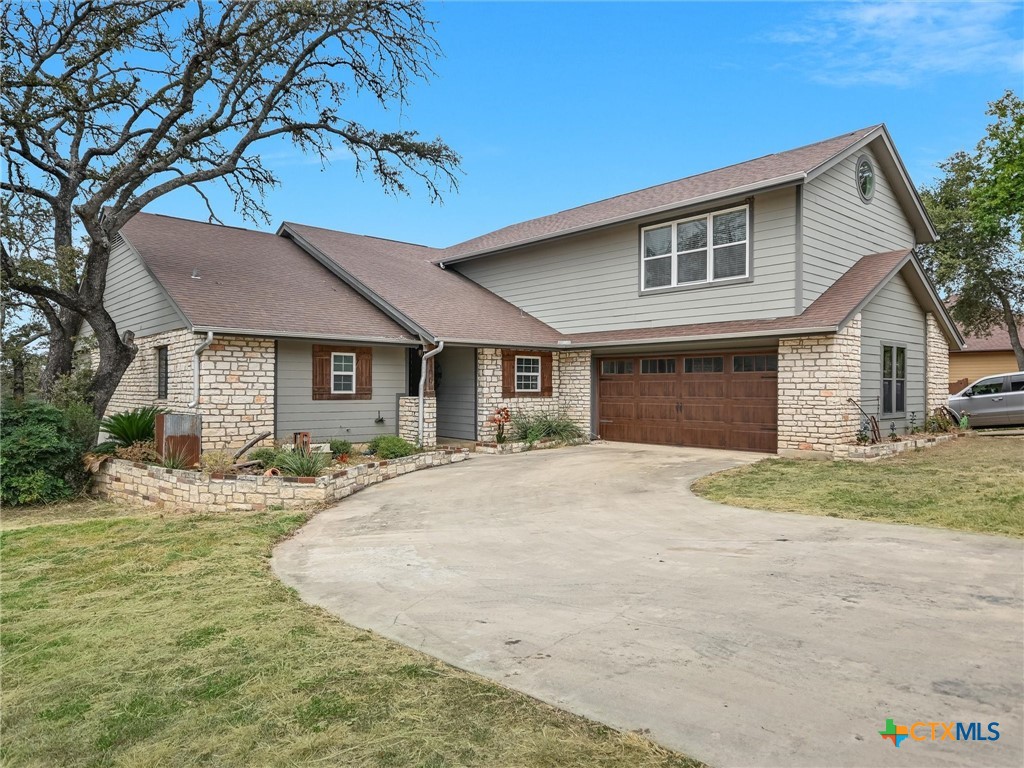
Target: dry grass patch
{"points": [[131, 639], [972, 484]]}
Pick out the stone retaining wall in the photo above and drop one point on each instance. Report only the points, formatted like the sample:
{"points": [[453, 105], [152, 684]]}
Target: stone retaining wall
{"points": [[881, 450], [135, 483], [503, 448]]}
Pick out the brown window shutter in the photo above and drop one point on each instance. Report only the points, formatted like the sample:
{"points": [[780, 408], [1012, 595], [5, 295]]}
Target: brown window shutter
{"points": [[322, 372], [546, 389], [508, 373], [364, 373]]}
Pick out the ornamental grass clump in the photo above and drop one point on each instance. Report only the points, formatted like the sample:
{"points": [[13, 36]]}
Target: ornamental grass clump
{"points": [[302, 462], [529, 428]]}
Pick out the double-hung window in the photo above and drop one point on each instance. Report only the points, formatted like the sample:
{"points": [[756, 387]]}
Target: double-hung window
{"points": [[894, 380], [527, 373], [343, 373], [699, 249]]}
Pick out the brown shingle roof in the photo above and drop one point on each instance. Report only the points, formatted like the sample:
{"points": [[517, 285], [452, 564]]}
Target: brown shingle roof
{"points": [[252, 281], [716, 183], [997, 340], [443, 302], [830, 310]]}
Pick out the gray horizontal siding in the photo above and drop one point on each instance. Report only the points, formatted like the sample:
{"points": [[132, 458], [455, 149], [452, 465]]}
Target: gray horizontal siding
{"points": [[133, 298], [456, 393], [591, 282], [893, 317], [325, 419], [839, 227]]}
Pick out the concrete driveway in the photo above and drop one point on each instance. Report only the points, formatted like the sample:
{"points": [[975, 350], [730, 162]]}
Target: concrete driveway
{"points": [[591, 578]]}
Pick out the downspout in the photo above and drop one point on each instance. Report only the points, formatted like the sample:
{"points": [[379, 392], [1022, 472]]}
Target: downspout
{"points": [[195, 368], [423, 382]]}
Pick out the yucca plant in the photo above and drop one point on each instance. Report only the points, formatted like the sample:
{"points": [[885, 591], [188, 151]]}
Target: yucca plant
{"points": [[303, 462], [128, 427], [175, 458]]}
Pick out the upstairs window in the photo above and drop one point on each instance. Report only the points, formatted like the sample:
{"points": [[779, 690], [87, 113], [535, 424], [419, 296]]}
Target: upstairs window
{"points": [[894, 380], [695, 250]]}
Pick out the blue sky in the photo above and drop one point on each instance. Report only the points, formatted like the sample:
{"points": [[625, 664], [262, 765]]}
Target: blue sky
{"points": [[553, 105]]}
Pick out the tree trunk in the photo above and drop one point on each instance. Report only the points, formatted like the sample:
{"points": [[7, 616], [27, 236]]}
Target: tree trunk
{"points": [[17, 377], [1012, 326], [116, 354], [60, 356]]}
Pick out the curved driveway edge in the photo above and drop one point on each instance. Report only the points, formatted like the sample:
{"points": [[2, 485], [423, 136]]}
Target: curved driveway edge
{"points": [[591, 578]]}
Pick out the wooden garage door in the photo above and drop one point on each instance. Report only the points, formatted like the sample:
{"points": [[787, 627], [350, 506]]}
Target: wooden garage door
{"points": [[705, 399]]}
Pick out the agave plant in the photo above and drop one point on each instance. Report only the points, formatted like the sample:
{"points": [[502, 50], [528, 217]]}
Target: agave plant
{"points": [[303, 462], [128, 427]]}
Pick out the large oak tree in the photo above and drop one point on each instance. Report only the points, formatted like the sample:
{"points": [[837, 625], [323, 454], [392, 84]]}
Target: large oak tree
{"points": [[107, 106]]}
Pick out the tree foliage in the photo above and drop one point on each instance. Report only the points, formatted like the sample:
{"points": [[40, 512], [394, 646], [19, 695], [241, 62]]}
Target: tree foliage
{"points": [[109, 105], [976, 207]]}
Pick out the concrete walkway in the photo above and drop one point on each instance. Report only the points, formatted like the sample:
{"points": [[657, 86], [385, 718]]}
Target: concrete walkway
{"points": [[591, 578]]}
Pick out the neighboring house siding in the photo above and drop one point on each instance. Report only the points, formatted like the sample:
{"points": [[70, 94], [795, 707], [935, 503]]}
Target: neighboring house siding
{"points": [[839, 227], [974, 365], [591, 282], [456, 393], [893, 317], [349, 419], [133, 297]]}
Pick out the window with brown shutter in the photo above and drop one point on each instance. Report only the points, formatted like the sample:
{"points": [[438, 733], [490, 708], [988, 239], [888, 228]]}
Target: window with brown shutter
{"points": [[526, 378], [342, 373]]}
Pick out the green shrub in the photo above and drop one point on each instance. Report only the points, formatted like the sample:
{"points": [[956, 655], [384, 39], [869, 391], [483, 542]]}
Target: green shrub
{"points": [[529, 428], [83, 426], [303, 462], [341, 448], [391, 447], [40, 460], [268, 456], [137, 426]]}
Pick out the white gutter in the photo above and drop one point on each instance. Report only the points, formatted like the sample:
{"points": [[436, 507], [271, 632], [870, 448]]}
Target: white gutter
{"points": [[423, 382], [195, 368]]}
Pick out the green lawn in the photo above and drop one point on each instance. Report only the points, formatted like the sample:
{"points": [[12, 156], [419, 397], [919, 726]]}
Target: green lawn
{"points": [[971, 484], [134, 639]]}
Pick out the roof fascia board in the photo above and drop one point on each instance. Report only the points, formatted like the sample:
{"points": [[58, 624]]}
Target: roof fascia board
{"points": [[810, 331], [376, 340], [359, 287], [503, 344], [138, 255], [909, 199], [760, 187]]}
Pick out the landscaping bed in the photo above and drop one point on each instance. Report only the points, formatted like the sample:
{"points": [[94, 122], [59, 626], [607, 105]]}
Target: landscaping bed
{"points": [[519, 446], [146, 639], [970, 484], [187, 490]]}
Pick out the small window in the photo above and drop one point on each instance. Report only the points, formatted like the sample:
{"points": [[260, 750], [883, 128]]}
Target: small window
{"points": [[658, 365], [161, 373], [865, 178], [343, 373], [617, 367], [527, 374], [894, 380], [754, 363], [704, 365]]}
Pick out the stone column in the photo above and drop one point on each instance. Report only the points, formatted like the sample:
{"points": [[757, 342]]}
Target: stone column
{"points": [[937, 373], [408, 420], [573, 387], [817, 376]]}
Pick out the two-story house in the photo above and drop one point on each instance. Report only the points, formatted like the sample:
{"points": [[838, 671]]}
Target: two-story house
{"points": [[762, 306]]}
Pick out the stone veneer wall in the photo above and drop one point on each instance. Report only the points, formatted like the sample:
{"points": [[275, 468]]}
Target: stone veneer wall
{"points": [[188, 491], [937, 371], [236, 384], [408, 420], [817, 375], [570, 384]]}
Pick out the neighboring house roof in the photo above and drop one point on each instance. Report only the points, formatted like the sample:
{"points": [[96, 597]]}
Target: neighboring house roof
{"points": [[253, 282], [997, 340], [829, 312], [402, 280], [783, 168]]}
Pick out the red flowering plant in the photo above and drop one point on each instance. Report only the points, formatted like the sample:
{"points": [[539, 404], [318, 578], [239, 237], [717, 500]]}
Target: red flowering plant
{"points": [[500, 418]]}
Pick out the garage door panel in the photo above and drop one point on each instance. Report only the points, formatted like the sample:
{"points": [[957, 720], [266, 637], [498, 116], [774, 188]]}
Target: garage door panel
{"points": [[711, 406]]}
